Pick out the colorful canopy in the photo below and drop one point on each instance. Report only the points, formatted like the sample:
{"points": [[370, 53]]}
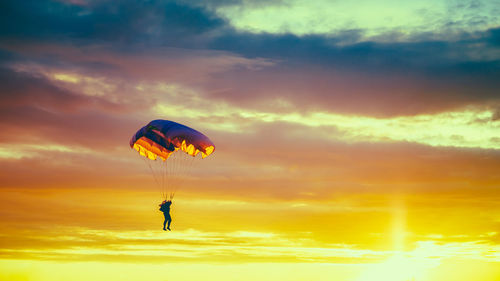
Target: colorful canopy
{"points": [[160, 138]]}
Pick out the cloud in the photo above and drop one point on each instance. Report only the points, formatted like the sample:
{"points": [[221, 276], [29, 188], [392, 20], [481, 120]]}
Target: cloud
{"points": [[100, 20], [374, 19], [21, 88], [181, 246], [192, 245], [455, 129], [365, 78], [150, 42], [494, 36]]}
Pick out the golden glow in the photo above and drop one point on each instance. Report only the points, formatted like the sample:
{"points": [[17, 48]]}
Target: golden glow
{"points": [[67, 77], [15, 270], [400, 267], [327, 238]]}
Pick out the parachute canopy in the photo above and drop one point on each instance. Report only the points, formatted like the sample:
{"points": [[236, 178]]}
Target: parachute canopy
{"points": [[161, 138]]}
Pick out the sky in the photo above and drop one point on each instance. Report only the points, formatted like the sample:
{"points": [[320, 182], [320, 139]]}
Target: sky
{"points": [[355, 141]]}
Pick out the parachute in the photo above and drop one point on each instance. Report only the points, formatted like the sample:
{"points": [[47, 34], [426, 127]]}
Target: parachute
{"points": [[170, 149]]}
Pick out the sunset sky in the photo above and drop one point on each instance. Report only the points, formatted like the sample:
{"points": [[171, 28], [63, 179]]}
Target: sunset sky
{"points": [[355, 140]]}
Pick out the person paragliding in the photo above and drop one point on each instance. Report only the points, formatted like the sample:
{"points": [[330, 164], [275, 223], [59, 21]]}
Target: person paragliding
{"points": [[173, 147], [165, 208]]}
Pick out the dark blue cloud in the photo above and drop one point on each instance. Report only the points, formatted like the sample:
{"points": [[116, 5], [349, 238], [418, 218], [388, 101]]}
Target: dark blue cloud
{"points": [[34, 19], [493, 37], [130, 21]]}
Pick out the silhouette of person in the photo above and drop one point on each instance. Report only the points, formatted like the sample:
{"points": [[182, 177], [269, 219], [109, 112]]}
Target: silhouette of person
{"points": [[165, 208]]}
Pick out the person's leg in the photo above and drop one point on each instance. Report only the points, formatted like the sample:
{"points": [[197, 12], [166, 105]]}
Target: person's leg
{"points": [[165, 221], [169, 222]]}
